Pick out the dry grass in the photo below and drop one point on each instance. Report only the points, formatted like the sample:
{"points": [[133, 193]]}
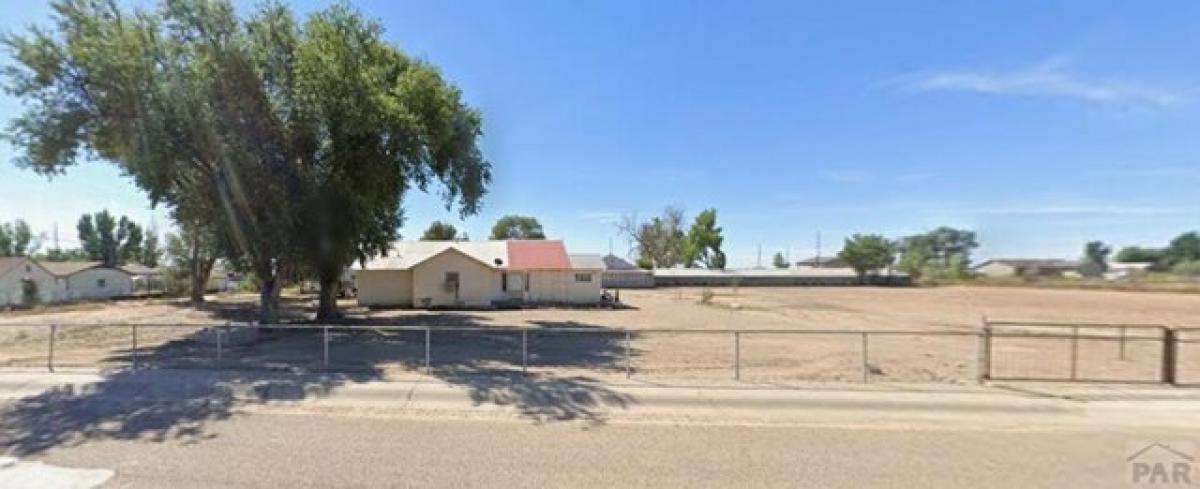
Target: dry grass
{"points": [[702, 356]]}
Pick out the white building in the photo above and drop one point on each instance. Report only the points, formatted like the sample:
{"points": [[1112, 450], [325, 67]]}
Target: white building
{"points": [[82, 280], [24, 282]]}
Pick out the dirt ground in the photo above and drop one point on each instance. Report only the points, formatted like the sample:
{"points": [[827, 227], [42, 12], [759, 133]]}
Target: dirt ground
{"points": [[770, 355]]}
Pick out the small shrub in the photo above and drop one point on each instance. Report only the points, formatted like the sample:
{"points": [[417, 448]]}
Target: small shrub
{"points": [[706, 296], [1190, 268]]}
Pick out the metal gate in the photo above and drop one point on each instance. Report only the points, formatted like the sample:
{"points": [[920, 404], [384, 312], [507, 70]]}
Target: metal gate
{"points": [[1079, 352]]}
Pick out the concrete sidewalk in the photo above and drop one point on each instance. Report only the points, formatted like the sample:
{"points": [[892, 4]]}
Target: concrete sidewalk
{"points": [[549, 398]]}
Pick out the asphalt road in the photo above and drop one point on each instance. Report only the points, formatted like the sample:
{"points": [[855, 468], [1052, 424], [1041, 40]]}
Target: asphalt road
{"points": [[291, 448]]}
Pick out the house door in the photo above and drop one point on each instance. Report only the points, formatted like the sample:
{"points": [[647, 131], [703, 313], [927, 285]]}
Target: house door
{"points": [[514, 285]]}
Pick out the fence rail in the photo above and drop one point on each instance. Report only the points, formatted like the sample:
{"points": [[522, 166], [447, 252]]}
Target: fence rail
{"points": [[1000, 350]]}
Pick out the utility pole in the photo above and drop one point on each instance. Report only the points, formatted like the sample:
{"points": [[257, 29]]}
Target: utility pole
{"points": [[759, 255], [56, 236], [818, 263]]}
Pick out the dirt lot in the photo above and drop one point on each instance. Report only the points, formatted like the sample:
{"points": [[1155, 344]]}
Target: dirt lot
{"points": [[656, 356]]}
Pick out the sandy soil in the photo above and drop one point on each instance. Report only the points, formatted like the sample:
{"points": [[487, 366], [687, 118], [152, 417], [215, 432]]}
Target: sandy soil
{"points": [[702, 356]]}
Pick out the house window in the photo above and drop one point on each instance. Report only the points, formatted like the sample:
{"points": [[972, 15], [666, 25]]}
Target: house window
{"points": [[101, 283], [583, 277]]}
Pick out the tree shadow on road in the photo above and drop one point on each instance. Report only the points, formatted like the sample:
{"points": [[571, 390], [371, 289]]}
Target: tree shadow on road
{"points": [[180, 386]]}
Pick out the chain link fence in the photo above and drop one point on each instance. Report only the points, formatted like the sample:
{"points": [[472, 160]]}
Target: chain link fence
{"points": [[1000, 350]]}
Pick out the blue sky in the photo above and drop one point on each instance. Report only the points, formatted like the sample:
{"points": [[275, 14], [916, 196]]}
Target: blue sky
{"points": [[1039, 127]]}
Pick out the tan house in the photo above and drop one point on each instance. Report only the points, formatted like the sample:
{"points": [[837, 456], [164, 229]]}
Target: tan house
{"points": [[1028, 267], [24, 282], [81, 280], [428, 274]]}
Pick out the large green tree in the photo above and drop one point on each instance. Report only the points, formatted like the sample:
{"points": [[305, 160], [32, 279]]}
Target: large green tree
{"points": [[297, 142], [944, 252], [1137, 254], [16, 239], [515, 226], [109, 240], [867, 253], [150, 253], [1095, 259], [659, 242], [440, 231], [704, 241], [1184, 248], [192, 254], [381, 123]]}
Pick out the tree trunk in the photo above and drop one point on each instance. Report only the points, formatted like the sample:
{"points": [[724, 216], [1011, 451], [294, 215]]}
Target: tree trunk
{"points": [[198, 287], [327, 307], [201, 270], [268, 303], [199, 275]]}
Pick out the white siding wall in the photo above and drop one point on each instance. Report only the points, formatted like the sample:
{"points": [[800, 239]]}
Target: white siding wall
{"points": [[50, 290], [99, 283], [385, 287], [478, 286], [560, 286]]}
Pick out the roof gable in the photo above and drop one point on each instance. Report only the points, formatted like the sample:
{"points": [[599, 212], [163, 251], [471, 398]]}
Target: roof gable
{"points": [[10, 263], [407, 254], [67, 268]]}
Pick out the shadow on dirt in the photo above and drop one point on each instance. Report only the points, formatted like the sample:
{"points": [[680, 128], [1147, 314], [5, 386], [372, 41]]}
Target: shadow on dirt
{"points": [[182, 383]]}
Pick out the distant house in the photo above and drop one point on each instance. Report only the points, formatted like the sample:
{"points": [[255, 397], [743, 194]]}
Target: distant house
{"points": [[1027, 267], [1119, 270], [823, 262], [78, 280], [24, 282], [477, 274]]}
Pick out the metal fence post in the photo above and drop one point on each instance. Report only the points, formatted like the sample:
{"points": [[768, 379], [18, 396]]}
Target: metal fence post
{"points": [[50, 354], [1122, 350], [524, 351], [866, 367], [325, 348], [737, 355], [1170, 344], [134, 352], [1074, 352], [427, 341], [628, 354], [985, 354]]}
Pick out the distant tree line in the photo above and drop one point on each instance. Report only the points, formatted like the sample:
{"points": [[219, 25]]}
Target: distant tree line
{"points": [[943, 253], [103, 237], [1181, 255]]}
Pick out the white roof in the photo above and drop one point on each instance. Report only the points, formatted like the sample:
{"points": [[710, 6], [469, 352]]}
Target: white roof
{"points": [[407, 254]]}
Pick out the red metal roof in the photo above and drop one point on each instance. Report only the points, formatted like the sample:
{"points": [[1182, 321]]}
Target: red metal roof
{"points": [[537, 255]]}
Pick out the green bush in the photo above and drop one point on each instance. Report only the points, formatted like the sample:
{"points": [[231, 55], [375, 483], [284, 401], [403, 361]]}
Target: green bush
{"points": [[706, 296], [1190, 268]]}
